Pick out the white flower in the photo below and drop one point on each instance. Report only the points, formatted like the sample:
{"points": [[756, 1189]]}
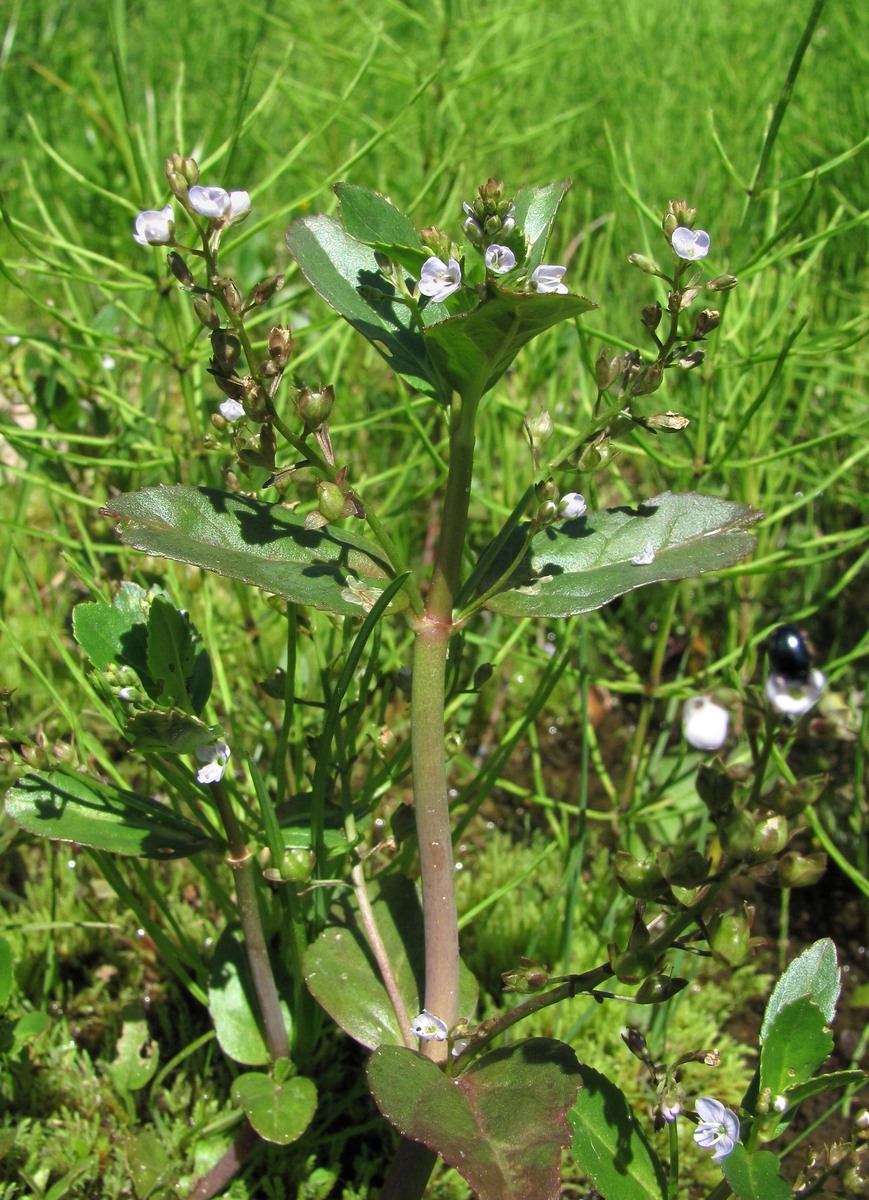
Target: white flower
{"points": [[215, 758], [571, 506], [690, 243], [670, 1109], [646, 556], [217, 204], [231, 410], [500, 259], [428, 1028], [11, 339], [793, 697], [438, 279], [108, 362], [154, 228], [719, 1127], [547, 278], [704, 723]]}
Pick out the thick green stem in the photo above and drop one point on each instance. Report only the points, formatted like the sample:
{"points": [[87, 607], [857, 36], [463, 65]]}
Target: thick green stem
{"points": [[242, 863], [434, 834], [431, 798]]}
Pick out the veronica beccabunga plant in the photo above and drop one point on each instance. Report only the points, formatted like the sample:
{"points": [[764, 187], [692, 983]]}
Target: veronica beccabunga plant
{"points": [[449, 319]]}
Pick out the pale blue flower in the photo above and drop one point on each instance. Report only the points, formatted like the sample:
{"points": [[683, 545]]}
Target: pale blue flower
{"points": [[690, 243], [428, 1028], [794, 697], [718, 1128], [438, 279], [216, 204], [231, 410], [547, 278], [571, 506], [500, 259], [215, 758], [154, 228], [704, 723]]}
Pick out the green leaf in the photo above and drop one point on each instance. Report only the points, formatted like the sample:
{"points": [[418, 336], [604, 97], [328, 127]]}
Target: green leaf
{"points": [[69, 807], [7, 973], [535, 212], [816, 975], [115, 633], [279, 1112], [754, 1176], [148, 1164], [27, 1029], [473, 350], [176, 732], [824, 1083], [233, 1004], [609, 1144], [136, 1055], [582, 564], [371, 218], [258, 543], [796, 1044], [173, 652], [337, 266], [501, 1124], [342, 974]]}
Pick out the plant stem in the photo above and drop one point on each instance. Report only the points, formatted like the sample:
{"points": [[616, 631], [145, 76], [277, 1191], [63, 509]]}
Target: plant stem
{"points": [[378, 949], [242, 862], [434, 835]]}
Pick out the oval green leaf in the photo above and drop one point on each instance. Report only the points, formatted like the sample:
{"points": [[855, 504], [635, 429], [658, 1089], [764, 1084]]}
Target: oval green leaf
{"points": [[473, 350], [815, 975], [279, 1112], [502, 1124], [233, 1004], [754, 1176], [337, 266], [580, 565], [262, 544], [342, 974], [68, 807], [610, 1145]]}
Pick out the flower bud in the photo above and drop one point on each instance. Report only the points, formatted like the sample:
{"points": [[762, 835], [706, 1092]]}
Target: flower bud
{"points": [[648, 380], [715, 788], [651, 316], [657, 988], [539, 427], [644, 263], [315, 407], [692, 360], [530, 977], [180, 270], [684, 868], [482, 675], [296, 866], [330, 500], [607, 370], [226, 347], [800, 870], [737, 831], [546, 489], [631, 966], [232, 296], [280, 345], [706, 321], [721, 283], [770, 837], [669, 422], [264, 291], [729, 937], [645, 880], [683, 213], [203, 307]]}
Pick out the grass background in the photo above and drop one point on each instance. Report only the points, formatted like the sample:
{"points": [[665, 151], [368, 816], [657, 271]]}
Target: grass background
{"points": [[106, 390]]}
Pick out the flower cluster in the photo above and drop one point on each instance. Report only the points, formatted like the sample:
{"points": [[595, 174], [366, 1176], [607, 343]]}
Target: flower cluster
{"points": [[215, 204]]}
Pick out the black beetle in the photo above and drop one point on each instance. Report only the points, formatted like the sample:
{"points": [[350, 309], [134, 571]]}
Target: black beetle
{"points": [[789, 655]]}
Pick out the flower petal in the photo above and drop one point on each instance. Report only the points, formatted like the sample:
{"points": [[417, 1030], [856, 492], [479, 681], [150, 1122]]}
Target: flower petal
{"points": [[690, 243]]}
